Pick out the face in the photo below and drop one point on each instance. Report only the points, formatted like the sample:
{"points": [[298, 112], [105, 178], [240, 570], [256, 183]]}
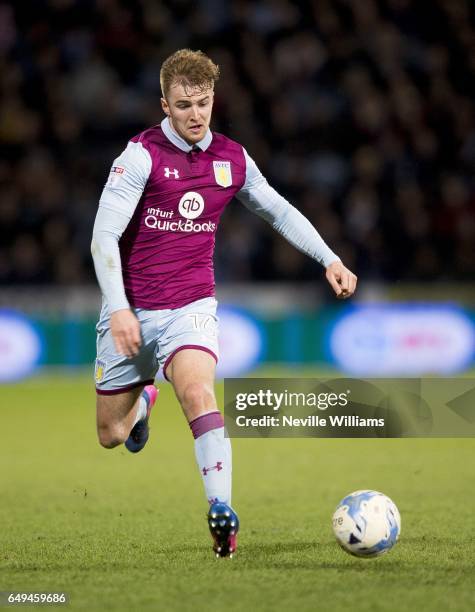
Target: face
{"points": [[189, 110]]}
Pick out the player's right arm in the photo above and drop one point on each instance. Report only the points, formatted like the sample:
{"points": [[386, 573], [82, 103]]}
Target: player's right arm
{"points": [[119, 199]]}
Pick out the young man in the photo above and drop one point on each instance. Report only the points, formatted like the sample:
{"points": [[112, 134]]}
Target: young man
{"points": [[152, 246]]}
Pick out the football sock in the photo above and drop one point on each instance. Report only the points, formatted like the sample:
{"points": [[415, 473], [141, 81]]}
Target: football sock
{"points": [[141, 410], [213, 455]]}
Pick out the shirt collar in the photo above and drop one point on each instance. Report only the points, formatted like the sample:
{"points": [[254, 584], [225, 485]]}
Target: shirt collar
{"points": [[179, 142]]}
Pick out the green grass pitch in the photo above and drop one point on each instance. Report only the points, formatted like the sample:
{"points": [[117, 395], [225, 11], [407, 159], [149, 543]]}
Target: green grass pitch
{"points": [[127, 532]]}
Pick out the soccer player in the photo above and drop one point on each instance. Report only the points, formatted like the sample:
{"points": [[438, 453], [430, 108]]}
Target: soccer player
{"points": [[152, 246]]}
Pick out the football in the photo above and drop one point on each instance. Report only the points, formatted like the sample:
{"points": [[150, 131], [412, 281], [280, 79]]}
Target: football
{"points": [[366, 523]]}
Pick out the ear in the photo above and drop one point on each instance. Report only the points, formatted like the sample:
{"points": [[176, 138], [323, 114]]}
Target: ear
{"points": [[165, 107]]}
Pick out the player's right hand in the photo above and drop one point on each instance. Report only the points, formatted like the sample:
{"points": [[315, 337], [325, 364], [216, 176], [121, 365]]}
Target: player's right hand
{"points": [[125, 329]]}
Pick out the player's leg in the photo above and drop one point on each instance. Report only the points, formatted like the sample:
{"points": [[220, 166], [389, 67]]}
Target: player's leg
{"points": [[192, 374], [115, 416], [124, 386], [123, 417]]}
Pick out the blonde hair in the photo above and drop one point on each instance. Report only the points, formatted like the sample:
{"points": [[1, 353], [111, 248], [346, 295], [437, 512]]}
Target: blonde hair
{"points": [[188, 68]]}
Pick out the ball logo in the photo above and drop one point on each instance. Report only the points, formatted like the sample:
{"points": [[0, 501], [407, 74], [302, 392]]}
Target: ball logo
{"points": [[191, 205]]}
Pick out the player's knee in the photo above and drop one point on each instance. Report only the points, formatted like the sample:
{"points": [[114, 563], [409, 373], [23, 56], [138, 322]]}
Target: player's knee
{"points": [[197, 397], [111, 436]]}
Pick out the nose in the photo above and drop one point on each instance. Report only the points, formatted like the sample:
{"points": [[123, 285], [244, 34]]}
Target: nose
{"points": [[195, 113]]}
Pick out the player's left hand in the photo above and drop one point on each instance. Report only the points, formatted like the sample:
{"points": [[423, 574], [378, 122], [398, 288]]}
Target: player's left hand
{"points": [[342, 280]]}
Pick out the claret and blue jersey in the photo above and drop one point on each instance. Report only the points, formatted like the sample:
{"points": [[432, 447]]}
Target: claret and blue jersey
{"points": [[162, 204], [167, 248]]}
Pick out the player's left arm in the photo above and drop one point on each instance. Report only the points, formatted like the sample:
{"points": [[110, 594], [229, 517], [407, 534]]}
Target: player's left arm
{"points": [[259, 197]]}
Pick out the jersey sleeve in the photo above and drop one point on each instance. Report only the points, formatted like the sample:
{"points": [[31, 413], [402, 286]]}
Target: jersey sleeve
{"points": [[259, 197], [127, 179]]}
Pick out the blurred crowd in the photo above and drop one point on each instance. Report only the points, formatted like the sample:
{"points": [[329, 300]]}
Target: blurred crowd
{"points": [[360, 112]]}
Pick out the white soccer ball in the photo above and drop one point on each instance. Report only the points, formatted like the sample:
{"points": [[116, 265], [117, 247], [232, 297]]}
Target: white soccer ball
{"points": [[366, 523]]}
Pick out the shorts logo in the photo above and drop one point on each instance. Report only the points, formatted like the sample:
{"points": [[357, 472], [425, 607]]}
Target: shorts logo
{"points": [[99, 370], [222, 173], [191, 205]]}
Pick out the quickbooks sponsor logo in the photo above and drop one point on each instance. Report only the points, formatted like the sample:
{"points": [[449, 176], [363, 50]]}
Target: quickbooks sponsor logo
{"points": [[178, 226], [191, 205]]}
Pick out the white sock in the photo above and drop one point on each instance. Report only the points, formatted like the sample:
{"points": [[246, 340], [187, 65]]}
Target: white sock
{"points": [[141, 410], [214, 458]]}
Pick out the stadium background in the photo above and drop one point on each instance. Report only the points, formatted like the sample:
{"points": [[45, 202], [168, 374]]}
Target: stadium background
{"points": [[361, 113]]}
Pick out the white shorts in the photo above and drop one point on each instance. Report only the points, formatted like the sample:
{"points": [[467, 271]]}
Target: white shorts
{"points": [[164, 333]]}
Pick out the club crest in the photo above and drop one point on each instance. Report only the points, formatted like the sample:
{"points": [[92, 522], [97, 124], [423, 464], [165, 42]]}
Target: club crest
{"points": [[222, 173], [99, 370]]}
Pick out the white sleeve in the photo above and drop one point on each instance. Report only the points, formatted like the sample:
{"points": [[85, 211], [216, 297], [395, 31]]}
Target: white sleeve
{"points": [[119, 199], [127, 179], [259, 197]]}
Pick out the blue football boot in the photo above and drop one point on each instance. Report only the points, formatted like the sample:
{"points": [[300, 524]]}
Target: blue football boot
{"points": [[139, 435], [224, 525]]}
